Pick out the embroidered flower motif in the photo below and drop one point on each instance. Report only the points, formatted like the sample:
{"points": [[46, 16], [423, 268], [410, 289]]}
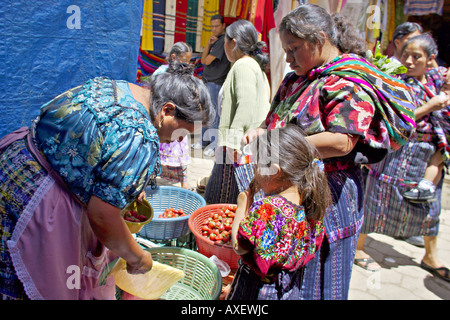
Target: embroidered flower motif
{"points": [[268, 239], [266, 212], [278, 201]]}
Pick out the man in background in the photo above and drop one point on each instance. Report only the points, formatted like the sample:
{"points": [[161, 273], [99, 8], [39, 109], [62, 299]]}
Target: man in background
{"points": [[216, 67]]}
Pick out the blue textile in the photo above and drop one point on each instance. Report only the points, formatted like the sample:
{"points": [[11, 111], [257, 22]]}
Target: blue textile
{"points": [[49, 46]]}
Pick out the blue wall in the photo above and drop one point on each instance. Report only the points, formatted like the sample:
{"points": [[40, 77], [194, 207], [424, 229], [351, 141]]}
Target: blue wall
{"points": [[47, 47]]}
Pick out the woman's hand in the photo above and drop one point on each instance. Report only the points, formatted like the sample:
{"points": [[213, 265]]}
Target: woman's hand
{"points": [[142, 266], [111, 230], [252, 134]]}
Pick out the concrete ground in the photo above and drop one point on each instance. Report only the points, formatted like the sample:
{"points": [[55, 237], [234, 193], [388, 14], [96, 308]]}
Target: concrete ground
{"points": [[401, 277]]}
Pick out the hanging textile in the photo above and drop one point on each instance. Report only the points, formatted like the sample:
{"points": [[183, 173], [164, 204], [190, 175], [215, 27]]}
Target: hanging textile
{"points": [[198, 38], [211, 7], [278, 65], [180, 21], [147, 26], [423, 7], [191, 23], [229, 8], [170, 24], [242, 9], [159, 10]]}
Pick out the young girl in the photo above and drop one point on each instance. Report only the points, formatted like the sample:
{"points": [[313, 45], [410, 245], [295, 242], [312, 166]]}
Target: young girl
{"points": [[175, 155], [432, 114], [277, 235]]}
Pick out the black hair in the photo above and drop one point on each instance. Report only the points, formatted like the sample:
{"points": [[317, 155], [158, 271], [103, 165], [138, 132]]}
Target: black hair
{"points": [[218, 17], [246, 37], [188, 93], [405, 29], [177, 49], [288, 148], [308, 20], [426, 42]]}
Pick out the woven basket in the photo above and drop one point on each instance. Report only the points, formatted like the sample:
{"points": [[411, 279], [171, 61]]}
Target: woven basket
{"points": [[165, 197], [206, 246], [202, 279]]}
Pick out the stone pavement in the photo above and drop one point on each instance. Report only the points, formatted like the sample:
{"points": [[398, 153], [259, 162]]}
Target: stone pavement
{"points": [[401, 277]]}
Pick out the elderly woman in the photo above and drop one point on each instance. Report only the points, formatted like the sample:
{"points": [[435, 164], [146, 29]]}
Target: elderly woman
{"points": [[65, 180], [346, 107]]}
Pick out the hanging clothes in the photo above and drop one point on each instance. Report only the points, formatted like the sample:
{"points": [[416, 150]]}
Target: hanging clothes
{"points": [[159, 9], [423, 7], [191, 23], [198, 37], [170, 24], [147, 26], [180, 21], [211, 7]]}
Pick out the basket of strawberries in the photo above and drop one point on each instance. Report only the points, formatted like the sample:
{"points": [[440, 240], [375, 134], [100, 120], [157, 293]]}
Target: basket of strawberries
{"points": [[211, 226]]}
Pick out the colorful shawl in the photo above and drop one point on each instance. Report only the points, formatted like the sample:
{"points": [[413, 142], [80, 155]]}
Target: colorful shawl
{"points": [[351, 96]]}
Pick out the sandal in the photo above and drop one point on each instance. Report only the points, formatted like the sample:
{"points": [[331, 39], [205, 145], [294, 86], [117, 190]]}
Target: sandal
{"points": [[435, 271], [365, 262]]}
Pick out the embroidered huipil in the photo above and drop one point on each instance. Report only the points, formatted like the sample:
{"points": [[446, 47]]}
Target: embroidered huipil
{"points": [[279, 236]]}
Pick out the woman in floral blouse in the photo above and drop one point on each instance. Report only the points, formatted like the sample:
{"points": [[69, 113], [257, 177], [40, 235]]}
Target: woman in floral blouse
{"points": [[352, 113], [65, 180], [278, 234]]}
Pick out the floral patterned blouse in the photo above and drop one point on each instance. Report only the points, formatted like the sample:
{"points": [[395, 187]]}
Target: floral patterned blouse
{"points": [[100, 140], [279, 236]]}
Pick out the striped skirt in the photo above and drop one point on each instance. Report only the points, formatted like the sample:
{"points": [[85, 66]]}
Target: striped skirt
{"points": [[386, 211], [328, 275], [222, 186]]}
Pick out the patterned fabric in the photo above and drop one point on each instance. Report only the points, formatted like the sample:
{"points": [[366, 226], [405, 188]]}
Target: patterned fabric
{"points": [[147, 26], [175, 154], [385, 209], [159, 10], [191, 22], [434, 126], [348, 95], [222, 186], [423, 7], [279, 236], [328, 275], [247, 285], [176, 174], [21, 176], [169, 21], [180, 21], [101, 141]]}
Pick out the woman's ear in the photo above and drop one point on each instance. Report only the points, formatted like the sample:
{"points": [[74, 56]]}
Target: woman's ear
{"points": [[431, 61], [168, 109]]}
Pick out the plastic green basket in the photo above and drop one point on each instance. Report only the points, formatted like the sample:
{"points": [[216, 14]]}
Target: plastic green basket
{"points": [[202, 279]]}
